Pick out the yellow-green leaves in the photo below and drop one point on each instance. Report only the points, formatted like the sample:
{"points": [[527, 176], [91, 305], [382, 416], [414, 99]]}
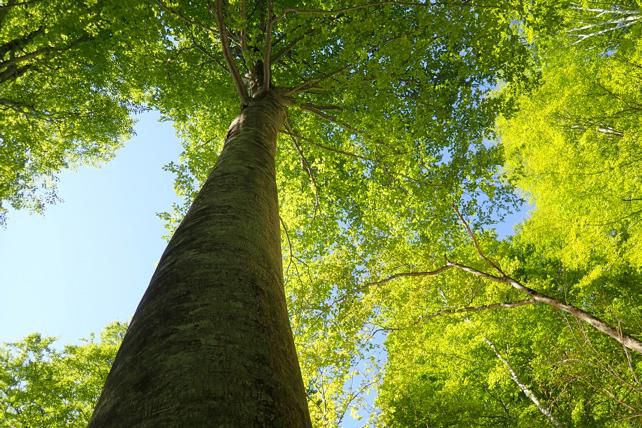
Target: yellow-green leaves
{"points": [[43, 386], [68, 78]]}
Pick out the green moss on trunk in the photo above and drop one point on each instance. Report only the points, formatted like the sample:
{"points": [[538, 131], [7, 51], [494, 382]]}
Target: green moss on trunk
{"points": [[210, 343]]}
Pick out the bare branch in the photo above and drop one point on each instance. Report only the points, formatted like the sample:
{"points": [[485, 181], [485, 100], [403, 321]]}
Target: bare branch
{"points": [[616, 334], [236, 76], [616, 22], [629, 22], [629, 362], [604, 11]]}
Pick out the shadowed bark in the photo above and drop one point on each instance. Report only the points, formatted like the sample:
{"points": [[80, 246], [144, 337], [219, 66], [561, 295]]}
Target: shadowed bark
{"points": [[210, 343]]}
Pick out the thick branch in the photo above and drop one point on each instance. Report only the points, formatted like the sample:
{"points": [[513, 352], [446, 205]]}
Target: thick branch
{"points": [[19, 43], [12, 72], [624, 339], [525, 389], [267, 52], [42, 52], [236, 76]]}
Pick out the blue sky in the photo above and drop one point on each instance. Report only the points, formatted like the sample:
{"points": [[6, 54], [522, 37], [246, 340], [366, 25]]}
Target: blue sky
{"points": [[88, 259]]}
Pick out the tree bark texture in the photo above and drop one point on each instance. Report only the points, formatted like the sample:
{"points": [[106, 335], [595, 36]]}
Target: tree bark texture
{"points": [[210, 344]]}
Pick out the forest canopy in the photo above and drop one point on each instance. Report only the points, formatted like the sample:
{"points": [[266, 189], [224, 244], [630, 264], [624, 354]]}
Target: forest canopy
{"points": [[407, 136]]}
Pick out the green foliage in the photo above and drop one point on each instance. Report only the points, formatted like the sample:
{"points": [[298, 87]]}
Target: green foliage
{"points": [[65, 93], [387, 109], [572, 147], [42, 386], [390, 123]]}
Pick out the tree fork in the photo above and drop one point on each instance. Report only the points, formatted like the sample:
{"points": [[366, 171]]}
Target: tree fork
{"points": [[210, 343]]}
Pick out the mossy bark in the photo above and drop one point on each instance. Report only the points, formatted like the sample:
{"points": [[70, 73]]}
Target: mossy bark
{"points": [[210, 344]]}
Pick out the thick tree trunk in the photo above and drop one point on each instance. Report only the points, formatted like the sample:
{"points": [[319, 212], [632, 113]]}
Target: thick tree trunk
{"points": [[210, 343]]}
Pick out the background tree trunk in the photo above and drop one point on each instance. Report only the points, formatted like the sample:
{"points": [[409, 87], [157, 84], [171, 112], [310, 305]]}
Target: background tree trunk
{"points": [[210, 343]]}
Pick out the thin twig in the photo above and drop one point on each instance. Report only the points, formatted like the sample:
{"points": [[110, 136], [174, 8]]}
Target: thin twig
{"points": [[470, 233], [291, 45], [481, 308], [435, 272], [184, 18], [328, 117], [332, 12], [465, 309], [311, 84], [341, 152], [243, 6]]}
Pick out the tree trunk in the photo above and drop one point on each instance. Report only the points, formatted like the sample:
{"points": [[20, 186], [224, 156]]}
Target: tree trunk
{"points": [[210, 343], [525, 389]]}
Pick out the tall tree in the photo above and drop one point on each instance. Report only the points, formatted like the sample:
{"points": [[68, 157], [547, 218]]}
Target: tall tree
{"points": [[377, 106]]}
